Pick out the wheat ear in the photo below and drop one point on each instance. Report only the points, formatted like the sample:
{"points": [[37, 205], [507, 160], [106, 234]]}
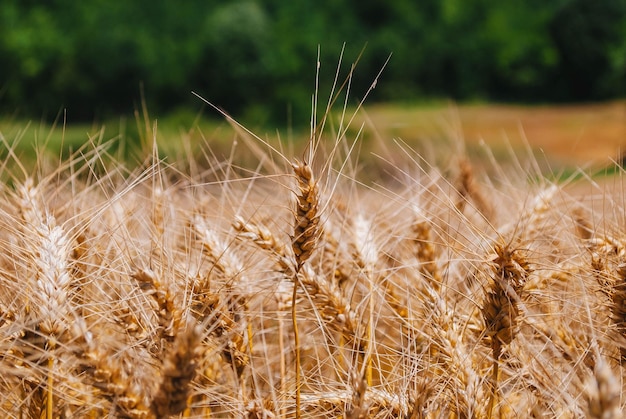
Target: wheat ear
{"points": [[179, 370], [602, 391], [618, 306], [500, 310], [168, 314], [263, 238], [106, 374], [224, 310], [306, 229], [426, 251], [468, 189]]}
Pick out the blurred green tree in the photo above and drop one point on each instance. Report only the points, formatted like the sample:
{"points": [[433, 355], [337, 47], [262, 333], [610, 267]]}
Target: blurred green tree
{"points": [[586, 34], [257, 57]]}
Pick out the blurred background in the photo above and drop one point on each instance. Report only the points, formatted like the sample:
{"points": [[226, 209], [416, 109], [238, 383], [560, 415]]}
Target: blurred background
{"points": [[259, 56], [256, 59]]}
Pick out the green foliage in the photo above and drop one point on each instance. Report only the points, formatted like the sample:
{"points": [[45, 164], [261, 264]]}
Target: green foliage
{"points": [[586, 35], [233, 68], [257, 57]]}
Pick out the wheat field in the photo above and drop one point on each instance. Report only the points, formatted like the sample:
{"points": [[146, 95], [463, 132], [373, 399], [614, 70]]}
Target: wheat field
{"points": [[206, 288]]}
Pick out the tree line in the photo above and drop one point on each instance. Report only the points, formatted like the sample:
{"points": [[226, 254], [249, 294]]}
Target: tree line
{"points": [[258, 58]]}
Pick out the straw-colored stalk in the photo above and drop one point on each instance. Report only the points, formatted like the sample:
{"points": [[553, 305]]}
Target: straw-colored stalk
{"points": [[358, 407], [303, 241], [366, 253], [584, 228]]}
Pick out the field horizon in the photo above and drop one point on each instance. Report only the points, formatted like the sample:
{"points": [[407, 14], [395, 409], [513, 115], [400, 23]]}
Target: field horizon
{"points": [[563, 135]]}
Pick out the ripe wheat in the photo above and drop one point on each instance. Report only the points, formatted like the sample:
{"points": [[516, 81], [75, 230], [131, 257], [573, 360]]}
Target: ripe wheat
{"points": [[164, 293]]}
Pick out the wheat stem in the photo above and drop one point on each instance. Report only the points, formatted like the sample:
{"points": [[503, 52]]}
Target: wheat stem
{"points": [[296, 343], [49, 388]]}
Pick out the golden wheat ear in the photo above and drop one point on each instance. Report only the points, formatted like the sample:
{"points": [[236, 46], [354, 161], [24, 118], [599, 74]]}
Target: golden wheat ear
{"points": [[307, 218], [179, 370], [264, 239], [618, 308], [468, 189], [500, 310]]}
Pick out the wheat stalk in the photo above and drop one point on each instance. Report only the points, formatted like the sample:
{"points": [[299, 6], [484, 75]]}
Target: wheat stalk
{"points": [[303, 241], [48, 252]]}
